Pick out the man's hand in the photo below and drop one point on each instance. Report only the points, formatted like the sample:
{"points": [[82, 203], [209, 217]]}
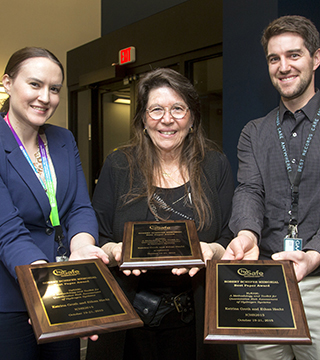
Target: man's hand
{"points": [[209, 251], [243, 247], [303, 262]]}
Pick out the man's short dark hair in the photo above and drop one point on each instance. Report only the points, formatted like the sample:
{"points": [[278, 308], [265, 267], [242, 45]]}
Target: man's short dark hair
{"points": [[294, 24]]}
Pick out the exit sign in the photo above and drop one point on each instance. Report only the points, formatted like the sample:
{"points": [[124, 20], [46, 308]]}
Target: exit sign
{"points": [[127, 55]]}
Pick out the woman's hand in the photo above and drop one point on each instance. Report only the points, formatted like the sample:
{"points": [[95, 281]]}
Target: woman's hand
{"points": [[209, 251], [182, 271], [82, 246], [114, 252], [38, 262], [89, 252], [92, 337]]}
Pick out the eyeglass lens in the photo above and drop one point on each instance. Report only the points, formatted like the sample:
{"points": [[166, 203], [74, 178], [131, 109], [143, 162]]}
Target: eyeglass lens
{"points": [[177, 111]]}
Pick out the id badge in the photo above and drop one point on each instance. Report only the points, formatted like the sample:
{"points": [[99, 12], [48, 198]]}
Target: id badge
{"points": [[292, 244], [61, 258]]}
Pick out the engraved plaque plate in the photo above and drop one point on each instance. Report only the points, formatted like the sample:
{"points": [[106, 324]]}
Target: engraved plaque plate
{"points": [[74, 298], [254, 302], [157, 244]]}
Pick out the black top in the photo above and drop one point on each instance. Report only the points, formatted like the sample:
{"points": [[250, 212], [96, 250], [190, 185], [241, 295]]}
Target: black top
{"points": [[113, 183]]}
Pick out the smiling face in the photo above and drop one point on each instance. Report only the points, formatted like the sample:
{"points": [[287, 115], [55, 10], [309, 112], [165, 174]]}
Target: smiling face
{"points": [[291, 68], [34, 92], [167, 133]]}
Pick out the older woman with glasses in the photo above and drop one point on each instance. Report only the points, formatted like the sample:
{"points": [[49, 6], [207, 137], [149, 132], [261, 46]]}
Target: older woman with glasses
{"points": [[168, 171]]}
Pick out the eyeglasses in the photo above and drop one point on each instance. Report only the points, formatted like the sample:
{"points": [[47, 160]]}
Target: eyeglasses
{"points": [[176, 111]]}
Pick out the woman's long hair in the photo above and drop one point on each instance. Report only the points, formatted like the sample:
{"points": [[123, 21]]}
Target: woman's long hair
{"points": [[16, 60], [143, 156]]}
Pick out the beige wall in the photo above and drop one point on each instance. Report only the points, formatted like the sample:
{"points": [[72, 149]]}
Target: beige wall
{"points": [[58, 25]]}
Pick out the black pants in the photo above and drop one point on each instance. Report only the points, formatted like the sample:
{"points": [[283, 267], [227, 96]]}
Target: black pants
{"points": [[17, 342], [172, 339]]}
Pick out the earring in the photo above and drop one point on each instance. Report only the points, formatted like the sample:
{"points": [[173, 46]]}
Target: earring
{"points": [[145, 133], [191, 130]]}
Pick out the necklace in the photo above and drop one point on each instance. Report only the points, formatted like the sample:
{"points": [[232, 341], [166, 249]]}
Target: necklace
{"points": [[163, 205], [166, 174], [170, 177]]}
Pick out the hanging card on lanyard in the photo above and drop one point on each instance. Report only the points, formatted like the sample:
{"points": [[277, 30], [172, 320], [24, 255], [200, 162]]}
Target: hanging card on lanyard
{"points": [[291, 241], [48, 187]]}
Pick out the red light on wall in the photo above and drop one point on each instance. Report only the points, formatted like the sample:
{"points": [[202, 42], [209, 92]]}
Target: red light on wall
{"points": [[127, 55]]}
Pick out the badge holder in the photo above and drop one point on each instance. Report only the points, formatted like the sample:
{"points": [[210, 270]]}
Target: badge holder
{"points": [[61, 251], [291, 242]]}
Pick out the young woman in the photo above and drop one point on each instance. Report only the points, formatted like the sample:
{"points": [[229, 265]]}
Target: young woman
{"points": [[45, 210]]}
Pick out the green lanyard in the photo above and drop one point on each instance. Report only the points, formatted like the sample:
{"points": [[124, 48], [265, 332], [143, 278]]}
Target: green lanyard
{"points": [[49, 188]]}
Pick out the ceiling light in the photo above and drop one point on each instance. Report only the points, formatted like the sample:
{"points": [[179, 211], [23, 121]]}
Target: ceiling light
{"points": [[121, 100]]}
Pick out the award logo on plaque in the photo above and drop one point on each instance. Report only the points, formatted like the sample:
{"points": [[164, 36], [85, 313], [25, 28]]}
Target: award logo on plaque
{"points": [[254, 302], [160, 244], [73, 299]]}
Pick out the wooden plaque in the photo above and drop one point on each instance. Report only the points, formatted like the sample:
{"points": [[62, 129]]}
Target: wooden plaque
{"points": [[161, 244], [253, 302], [75, 298]]}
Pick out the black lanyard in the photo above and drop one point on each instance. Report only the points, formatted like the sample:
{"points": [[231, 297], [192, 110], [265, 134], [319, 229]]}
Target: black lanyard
{"points": [[295, 176]]}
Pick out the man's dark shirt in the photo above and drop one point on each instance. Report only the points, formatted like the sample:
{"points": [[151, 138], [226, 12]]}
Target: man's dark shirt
{"points": [[262, 200]]}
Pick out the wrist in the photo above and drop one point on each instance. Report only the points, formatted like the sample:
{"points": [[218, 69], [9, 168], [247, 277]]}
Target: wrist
{"points": [[217, 249], [80, 240], [314, 259], [109, 249], [250, 234]]}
